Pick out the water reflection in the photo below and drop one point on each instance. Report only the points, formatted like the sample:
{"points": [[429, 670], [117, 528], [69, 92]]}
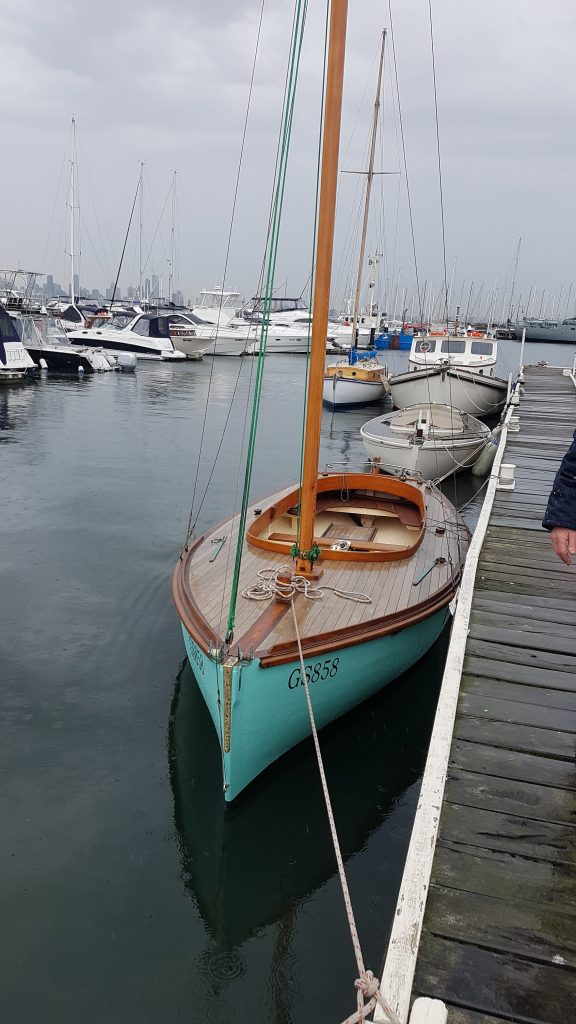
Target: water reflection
{"points": [[15, 403], [250, 865]]}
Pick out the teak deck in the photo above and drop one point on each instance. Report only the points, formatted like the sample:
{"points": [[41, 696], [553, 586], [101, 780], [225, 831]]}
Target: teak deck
{"points": [[425, 579], [499, 935]]}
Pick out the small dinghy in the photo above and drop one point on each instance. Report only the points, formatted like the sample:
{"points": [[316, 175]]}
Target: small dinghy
{"points": [[428, 440]]}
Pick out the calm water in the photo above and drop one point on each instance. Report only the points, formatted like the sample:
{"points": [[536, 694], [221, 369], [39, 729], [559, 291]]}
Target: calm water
{"points": [[126, 894]]}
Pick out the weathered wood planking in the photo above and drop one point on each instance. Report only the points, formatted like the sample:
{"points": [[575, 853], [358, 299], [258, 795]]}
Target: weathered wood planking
{"points": [[499, 935]]}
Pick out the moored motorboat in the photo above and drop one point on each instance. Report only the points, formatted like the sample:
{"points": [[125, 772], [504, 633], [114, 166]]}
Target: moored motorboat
{"points": [[146, 334], [353, 381], [560, 331], [50, 347], [430, 441], [456, 371], [15, 362]]}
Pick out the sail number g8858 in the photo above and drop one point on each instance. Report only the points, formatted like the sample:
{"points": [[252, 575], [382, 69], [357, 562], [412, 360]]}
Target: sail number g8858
{"points": [[320, 671]]}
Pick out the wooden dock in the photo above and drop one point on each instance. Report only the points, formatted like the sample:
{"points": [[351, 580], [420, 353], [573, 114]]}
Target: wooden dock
{"points": [[486, 920]]}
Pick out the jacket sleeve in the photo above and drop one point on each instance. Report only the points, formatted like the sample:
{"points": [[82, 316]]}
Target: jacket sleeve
{"points": [[561, 507]]}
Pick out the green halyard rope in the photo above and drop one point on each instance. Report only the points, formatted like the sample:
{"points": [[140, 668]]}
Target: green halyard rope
{"points": [[272, 250]]}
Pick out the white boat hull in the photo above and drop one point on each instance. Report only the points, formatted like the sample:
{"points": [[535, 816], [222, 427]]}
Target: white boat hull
{"points": [[429, 460], [345, 391], [248, 344], [114, 342], [17, 361], [560, 331], [462, 389]]}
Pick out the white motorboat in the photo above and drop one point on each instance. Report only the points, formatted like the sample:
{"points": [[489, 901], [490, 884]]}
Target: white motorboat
{"points": [[217, 307], [49, 346], [15, 362], [561, 331], [240, 337], [146, 335], [456, 371], [430, 441]]}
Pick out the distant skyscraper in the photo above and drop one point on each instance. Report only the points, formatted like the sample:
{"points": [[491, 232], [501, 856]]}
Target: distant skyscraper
{"points": [[49, 288], [155, 293]]}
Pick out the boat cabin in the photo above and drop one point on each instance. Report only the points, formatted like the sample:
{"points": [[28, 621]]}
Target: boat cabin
{"points": [[471, 352]]}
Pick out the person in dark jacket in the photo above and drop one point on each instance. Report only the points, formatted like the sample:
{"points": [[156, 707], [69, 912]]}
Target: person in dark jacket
{"points": [[560, 514]]}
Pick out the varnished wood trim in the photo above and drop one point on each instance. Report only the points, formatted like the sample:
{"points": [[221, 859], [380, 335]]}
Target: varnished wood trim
{"points": [[345, 482], [259, 630], [188, 611], [359, 633]]}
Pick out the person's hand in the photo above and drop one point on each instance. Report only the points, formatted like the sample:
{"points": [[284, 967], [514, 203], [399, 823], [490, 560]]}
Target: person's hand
{"points": [[564, 543]]}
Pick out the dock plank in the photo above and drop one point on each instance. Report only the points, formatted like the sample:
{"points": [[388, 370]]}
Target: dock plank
{"points": [[498, 937]]}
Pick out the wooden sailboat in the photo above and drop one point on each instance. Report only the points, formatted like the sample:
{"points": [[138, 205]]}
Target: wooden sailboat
{"points": [[364, 566], [358, 380]]}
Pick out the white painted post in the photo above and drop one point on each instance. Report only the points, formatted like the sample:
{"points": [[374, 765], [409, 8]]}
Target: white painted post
{"points": [[521, 367], [428, 1011]]}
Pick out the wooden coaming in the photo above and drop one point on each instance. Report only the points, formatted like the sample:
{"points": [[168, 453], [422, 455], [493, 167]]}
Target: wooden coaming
{"points": [[355, 371], [202, 588]]}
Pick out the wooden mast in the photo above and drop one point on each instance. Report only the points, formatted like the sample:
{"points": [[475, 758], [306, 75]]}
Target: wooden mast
{"points": [[369, 180], [324, 246]]}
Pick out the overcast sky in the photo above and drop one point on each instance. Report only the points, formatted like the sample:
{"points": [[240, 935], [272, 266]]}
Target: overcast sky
{"points": [[168, 85]]}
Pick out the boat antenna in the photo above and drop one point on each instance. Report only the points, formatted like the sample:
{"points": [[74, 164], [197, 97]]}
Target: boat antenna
{"points": [[125, 241]]}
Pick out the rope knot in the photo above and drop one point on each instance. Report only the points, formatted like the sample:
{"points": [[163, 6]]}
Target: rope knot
{"points": [[368, 984]]}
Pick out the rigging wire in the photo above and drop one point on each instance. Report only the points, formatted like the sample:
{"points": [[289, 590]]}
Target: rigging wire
{"points": [[124, 246], [288, 113], [439, 160], [192, 523], [260, 293], [56, 199], [401, 121]]}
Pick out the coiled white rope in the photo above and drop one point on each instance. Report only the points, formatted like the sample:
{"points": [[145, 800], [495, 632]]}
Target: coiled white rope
{"points": [[282, 582]]}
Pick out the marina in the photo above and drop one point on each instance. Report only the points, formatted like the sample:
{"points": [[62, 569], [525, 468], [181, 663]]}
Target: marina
{"points": [[113, 784], [288, 701], [111, 797]]}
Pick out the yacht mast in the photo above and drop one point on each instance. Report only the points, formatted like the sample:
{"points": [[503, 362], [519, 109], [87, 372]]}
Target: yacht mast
{"points": [[141, 191], [369, 180], [72, 202], [324, 246], [172, 236]]}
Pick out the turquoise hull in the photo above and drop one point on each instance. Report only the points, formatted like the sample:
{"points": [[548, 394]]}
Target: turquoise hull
{"points": [[268, 708]]}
